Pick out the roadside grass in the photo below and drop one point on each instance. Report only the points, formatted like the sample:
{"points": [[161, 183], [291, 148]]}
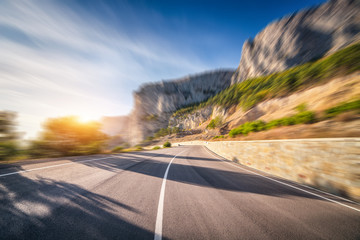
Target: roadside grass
{"points": [[343, 107], [117, 149], [303, 117], [218, 137]]}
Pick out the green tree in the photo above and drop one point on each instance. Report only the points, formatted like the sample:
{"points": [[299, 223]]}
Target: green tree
{"points": [[68, 136], [8, 135], [7, 126]]}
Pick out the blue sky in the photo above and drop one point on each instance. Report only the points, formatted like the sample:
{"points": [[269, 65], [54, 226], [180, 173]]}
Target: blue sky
{"points": [[85, 58]]}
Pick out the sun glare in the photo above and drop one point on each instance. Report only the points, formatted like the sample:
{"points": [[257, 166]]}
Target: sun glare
{"points": [[86, 118]]}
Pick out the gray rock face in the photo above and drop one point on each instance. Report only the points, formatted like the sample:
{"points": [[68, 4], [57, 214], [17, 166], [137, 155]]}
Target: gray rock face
{"points": [[168, 96], [155, 102], [299, 38], [193, 120]]}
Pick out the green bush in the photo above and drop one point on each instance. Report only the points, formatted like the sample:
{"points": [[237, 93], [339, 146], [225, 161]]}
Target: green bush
{"points": [[138, 148], [287, 121], [304, 117], [166, 131], [343, 107], [151, 117], [149, 138], [175, 130], [273, 124], [156, 148], [216, 122], [300, 118], [258, 125], [67, 136], [182, 112], [92, 148], [117, 149], [221, 136], [167, 145], [41, 148], [235, 131], [248, 127], [301, 107], [8, 149]]}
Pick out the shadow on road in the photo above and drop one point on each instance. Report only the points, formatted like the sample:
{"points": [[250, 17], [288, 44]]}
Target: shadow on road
{"points": [[47, 209], [145, 163], [62, 210]]}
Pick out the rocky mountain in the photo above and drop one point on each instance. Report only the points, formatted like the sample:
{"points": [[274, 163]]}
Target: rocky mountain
{"points": [[299, 38], [155, 102]]}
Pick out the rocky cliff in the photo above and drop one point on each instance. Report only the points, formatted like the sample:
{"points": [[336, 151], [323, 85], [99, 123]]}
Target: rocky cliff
{"points": [[299, 38], [155, 102]]}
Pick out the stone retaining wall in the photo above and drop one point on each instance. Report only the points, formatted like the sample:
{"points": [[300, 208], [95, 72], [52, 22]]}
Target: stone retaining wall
{"points": [[332, 165]]}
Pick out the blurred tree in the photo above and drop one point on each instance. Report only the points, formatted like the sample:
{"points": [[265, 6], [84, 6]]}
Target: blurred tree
{"points": [[8, 135], [7, 126], [68, 136]]}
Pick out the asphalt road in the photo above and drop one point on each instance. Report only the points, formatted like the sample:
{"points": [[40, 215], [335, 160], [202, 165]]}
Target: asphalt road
{"points": [[125, 196]]}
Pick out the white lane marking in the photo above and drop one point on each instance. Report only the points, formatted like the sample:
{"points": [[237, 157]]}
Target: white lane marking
{"points": [[159, 216], [317, 195], [347, 200], [62, 164], [57, 165]]}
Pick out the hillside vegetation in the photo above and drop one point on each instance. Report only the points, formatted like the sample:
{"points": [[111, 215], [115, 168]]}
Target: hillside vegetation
{"points": [[254, 90], [303, 117]]}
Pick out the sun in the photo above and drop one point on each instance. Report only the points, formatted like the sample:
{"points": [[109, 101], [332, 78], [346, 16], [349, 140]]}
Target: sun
{"points": [[84, 118]]}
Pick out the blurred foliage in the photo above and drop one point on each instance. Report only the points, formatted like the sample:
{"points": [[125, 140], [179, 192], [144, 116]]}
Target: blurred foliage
{"points": [[167, 145], [306, 117], [67, 136], [117, 149], [7, 126], [219, 136], [166, 131], [8, 149], [301, 107], [343, 107], [254, 90], [151, 117], [216, 122], [248, 127], [182, 112], [9, 146], [149, 138], [156, 148]]}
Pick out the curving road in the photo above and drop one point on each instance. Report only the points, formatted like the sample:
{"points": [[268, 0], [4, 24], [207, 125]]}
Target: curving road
{"points": [[126, 196]]}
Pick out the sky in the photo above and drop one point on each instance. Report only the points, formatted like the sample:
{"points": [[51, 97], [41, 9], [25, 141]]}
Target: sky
{"points": [[85, 58]]}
